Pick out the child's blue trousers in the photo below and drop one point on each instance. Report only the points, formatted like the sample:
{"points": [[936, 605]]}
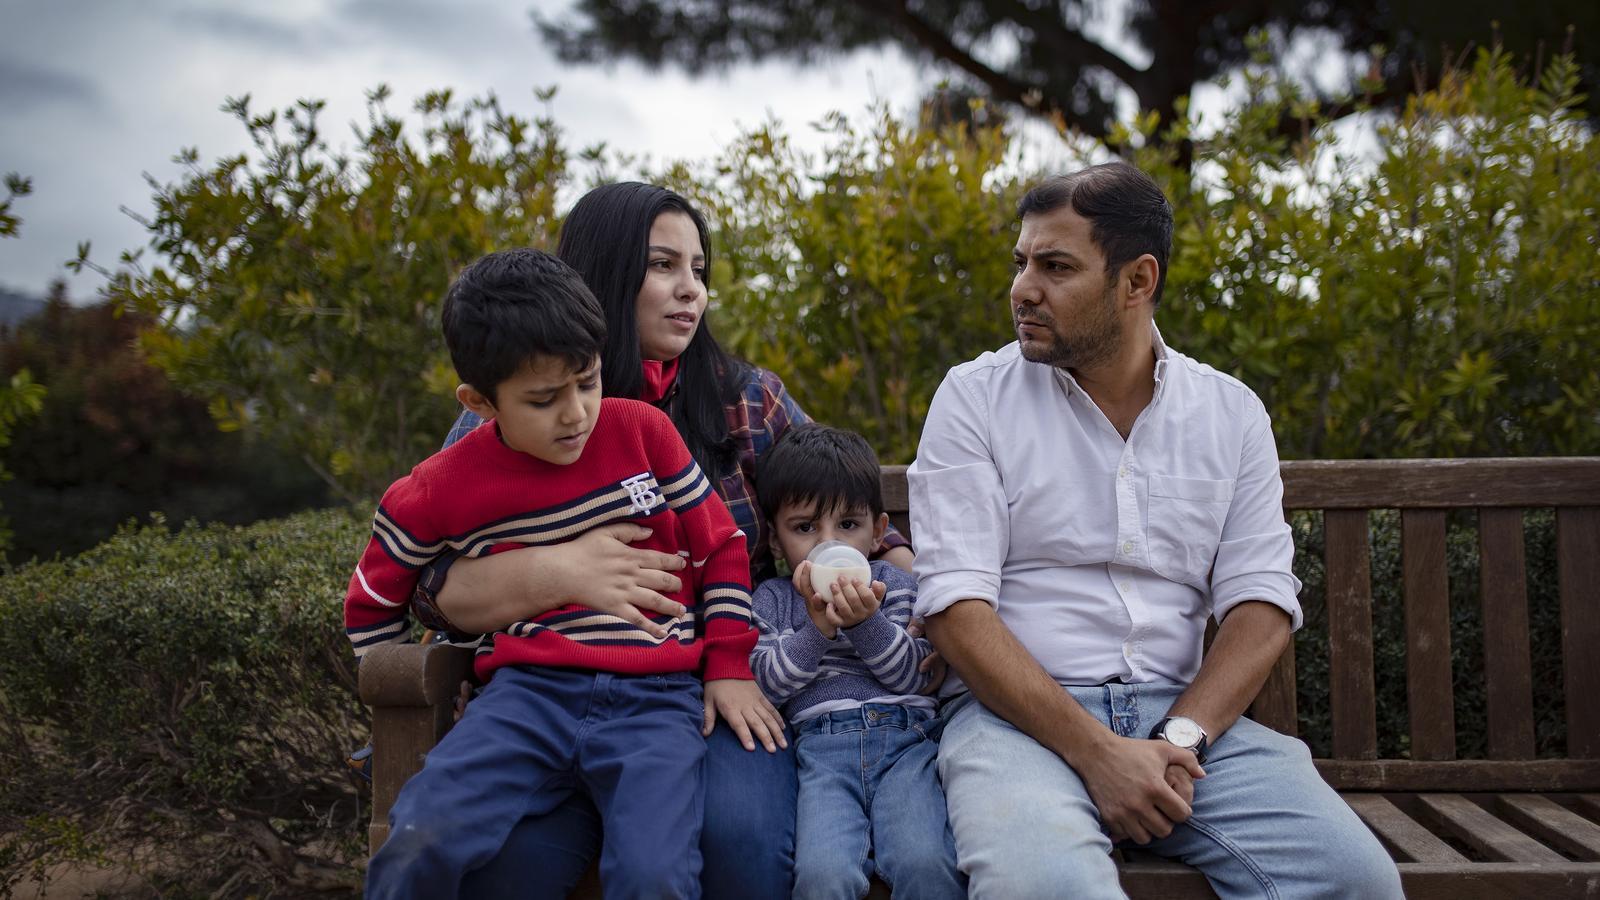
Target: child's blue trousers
{"points": [[868, 783], [533, 737]]}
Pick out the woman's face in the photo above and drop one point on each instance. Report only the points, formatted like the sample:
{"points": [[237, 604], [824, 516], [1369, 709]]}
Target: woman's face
{"points": [[673, 296]]}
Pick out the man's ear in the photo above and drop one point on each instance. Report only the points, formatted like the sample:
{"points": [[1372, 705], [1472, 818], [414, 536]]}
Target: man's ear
{"points": [[1139, 279], [879, 529], [478, 403]]}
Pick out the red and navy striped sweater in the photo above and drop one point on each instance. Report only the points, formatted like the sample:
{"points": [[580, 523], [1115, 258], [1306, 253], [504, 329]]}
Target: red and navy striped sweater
{"points": [[479, 496]]}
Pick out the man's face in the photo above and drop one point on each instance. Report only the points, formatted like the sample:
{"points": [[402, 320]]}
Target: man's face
{"points": [[1063, 305], [545, 410]]}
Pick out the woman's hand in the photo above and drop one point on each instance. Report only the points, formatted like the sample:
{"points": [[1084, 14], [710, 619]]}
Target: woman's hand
{"points": [[932, 665], [598, 570], [746, 710]]}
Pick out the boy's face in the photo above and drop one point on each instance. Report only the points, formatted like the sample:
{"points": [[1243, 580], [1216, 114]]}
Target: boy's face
{"points": [[798, 527], [545, 410]]}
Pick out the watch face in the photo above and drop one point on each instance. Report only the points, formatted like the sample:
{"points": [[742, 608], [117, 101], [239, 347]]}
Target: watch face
{"points": [[1183, 732]]}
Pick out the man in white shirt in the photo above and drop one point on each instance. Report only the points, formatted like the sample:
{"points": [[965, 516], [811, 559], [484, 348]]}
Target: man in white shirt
{"points": [[1083, 499]]}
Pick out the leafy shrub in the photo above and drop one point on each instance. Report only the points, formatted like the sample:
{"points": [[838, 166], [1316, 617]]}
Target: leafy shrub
{"points": [[1432, 299], [190, 691], [114, 439]]}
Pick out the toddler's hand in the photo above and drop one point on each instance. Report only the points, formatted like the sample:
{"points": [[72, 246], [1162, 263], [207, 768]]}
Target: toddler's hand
{"points": [[853, 602], [816, 605]]}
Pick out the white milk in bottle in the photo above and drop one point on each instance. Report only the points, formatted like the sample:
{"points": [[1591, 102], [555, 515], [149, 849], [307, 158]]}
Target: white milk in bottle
{"points": [[832, 559]]}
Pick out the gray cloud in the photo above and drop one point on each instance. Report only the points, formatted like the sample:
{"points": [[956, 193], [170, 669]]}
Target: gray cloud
{"points": [[26, 87], [234, 25]]}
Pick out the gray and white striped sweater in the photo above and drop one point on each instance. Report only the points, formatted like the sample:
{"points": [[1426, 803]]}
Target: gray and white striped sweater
{"points": [[798, 668]]}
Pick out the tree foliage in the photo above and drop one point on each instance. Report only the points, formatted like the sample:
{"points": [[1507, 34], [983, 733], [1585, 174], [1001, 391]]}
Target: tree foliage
{"points": [[298, 289], [115, 440], [1439, 304], [1071, 59], [1425, 289], [860, 277], [20, 396]]}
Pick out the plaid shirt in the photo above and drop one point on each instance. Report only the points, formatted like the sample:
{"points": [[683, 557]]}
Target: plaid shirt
{"points": [[763, 412]]}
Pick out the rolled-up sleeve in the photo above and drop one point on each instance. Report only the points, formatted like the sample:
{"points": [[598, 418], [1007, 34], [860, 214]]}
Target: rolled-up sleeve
{"points": [[958, 505], [1255, 557]]}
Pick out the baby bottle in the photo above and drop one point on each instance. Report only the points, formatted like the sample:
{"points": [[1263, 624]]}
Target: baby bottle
{"points": [[831, 559]]}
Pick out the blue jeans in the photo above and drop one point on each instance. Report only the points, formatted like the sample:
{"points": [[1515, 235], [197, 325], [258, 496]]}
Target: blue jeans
{"points": [[1264, 824], [747, 840], [868, 783], [532, 739]]}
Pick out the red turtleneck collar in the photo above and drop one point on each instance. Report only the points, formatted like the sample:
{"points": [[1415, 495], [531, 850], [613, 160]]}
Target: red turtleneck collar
{"points": [[658, 379]]}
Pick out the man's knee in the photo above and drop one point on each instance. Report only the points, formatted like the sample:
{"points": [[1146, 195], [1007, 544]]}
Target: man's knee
{"points": [[1066, 875], [1360, 867]]}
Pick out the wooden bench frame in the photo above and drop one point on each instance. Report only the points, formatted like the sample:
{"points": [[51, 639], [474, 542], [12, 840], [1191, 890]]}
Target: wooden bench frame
{"points": [[1507, 825]]}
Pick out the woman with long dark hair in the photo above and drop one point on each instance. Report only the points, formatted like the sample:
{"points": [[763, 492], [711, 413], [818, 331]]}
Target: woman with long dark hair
{"points": [[645, 253]]}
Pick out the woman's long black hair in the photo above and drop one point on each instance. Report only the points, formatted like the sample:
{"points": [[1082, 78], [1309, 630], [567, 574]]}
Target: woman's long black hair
{"points": [[606, 238]]}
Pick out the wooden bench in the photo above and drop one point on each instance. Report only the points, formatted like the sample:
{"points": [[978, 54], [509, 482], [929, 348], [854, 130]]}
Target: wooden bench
{"points": [[1508, 825]]}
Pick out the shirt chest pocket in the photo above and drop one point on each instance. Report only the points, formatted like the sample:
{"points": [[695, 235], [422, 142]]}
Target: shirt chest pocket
{"points": [[1184, 525]]}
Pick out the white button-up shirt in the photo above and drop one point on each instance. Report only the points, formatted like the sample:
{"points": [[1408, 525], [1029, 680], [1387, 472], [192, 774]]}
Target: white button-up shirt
{"points": [[1103, 556]]}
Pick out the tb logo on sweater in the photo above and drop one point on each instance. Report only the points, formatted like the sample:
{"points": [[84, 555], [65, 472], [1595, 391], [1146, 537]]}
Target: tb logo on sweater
{"points": [[641, 490]]}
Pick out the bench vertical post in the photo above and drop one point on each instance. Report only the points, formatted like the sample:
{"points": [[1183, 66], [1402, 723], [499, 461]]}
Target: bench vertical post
{"points": [[1349, 598], [1429, 695], [1578, 568], [1507, 661]]}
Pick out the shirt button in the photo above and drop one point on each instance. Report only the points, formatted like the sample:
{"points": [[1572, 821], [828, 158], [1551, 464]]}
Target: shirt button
{"points": [[1127, 546], [1124, 587], [1122, 472]]}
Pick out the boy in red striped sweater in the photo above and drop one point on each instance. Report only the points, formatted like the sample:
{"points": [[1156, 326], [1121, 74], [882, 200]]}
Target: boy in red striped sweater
{"points": [[577, 700]]}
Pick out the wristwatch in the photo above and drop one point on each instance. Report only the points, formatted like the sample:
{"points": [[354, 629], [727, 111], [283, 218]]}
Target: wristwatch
{"points": [[1180, 731]]}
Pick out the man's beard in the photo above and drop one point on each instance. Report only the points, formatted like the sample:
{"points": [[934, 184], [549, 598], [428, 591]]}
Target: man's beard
{"points": [[1096, 341]]}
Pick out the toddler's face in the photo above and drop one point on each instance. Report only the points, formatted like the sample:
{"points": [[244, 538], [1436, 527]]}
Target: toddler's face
{"points": [[800, 526]]}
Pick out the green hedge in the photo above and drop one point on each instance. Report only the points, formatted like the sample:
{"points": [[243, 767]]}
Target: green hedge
{"points": [[191, 691]]}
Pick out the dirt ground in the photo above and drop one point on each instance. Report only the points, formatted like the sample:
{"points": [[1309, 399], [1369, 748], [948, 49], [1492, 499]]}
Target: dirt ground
{"points": [[72, 881]]}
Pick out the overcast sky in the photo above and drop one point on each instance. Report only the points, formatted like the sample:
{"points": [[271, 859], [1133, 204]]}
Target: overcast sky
{"points": [[95, 92]]}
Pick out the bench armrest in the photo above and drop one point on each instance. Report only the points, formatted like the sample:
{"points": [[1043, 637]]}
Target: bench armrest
{"points": [[411, 689]]}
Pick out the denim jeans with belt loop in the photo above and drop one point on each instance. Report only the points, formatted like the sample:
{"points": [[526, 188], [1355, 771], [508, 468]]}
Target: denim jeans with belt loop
{"points": [[869, 784]]}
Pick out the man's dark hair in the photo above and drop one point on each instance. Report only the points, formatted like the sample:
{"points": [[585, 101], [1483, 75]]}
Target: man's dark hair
{"points": [[829, 467], [512, 306], [606, 238], [1128, 214]]}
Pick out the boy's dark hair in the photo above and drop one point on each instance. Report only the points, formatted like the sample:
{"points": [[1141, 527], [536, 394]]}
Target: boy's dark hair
{"points": [[514, 305], [1128, 214], [830, 467], [606, 237]]}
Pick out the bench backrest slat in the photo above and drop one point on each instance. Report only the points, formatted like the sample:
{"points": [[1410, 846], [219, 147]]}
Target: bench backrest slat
{"points": [[1578, 570], [1355, 716], [1508, 668], [1440, 483], [1276, 706], [1430, 697]]}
